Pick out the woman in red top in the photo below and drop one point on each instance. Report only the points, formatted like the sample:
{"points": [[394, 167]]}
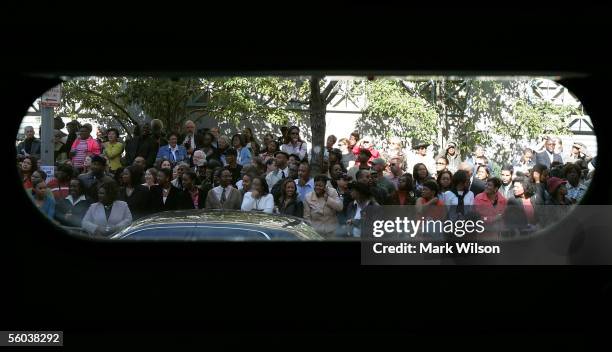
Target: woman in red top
{"points": [[83, 147], [28, 166], [428, 205], [490, 204], [60, 184]]}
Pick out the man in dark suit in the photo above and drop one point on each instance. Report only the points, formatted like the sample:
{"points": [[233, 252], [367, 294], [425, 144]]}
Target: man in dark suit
{"points": [[548, 156], [476, 185], [191, 140], [165, 196]]}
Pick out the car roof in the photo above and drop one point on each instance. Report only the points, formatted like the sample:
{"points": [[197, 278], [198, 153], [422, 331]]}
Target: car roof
{"points": [[253, 220]]}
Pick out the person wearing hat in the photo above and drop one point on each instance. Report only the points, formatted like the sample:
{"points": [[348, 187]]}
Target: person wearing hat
{"points": [[379, 165], [362, 163], [558, 205], [95, 177], [453, 156], [420, 156], [282, 169]]}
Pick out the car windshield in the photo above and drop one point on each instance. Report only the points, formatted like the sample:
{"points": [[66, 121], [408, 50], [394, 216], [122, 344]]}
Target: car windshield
{"points": [[304, 157]]}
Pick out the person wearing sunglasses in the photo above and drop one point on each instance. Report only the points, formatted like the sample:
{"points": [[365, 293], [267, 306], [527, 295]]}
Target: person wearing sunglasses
{"points": [[294, 144]]}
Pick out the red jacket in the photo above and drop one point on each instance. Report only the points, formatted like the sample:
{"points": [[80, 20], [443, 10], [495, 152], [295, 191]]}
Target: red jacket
{"points": [[93, 147], [485, 208]]}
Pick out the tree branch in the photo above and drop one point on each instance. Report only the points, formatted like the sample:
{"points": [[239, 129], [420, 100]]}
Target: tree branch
{"points": [[112, 102], [332, 94], [328, 89]]}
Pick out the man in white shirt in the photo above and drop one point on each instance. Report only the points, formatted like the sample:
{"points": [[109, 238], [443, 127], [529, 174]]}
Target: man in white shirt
{"points": [[282, 169]]}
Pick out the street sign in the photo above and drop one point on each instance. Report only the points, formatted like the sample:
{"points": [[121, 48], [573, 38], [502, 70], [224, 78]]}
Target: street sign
{"points": [[49, 170], [52, 97]]}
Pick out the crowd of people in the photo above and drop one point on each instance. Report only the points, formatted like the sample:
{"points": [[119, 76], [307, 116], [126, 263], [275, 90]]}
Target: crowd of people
{"points": [[102, 184]]}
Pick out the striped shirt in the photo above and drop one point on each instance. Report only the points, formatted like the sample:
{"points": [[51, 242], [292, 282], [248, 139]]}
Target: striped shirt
{"points": [[81, 153]]}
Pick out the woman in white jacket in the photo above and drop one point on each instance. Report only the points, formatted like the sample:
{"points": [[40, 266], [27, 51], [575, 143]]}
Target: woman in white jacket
{"points": [[259, 198], [108, 215]]}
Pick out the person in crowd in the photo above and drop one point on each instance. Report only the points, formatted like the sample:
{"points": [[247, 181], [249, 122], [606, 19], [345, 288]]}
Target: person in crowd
{"points": [[539, 183], [87, 166], [198, 158], [321, 207], [70, 210], [354, 137], [158, 134], [397, 170], [282, 169], [150, 177], [362, 163], [335, 172], [459, 199], [215, 131], [329, 146], [172, 151], [348, 158], [191, 140], [101, 138], [95, 177], [294, 144], [445, 181], [59, 142], [83, 147], [366, 143], [108, 215], [335, 157], [165, 196], [271, 149], [60, 185], [397, 150], [131, 147], [248, 173], [525, 163], [523, 191], [379, 166], [428, 205], [37, 177], [506, 181], [148, 146], [420, 174], [294, 159], [452, 156], [482, 173], [163, 164], [405, 192], [575, 188], [224, 196], [441, 165], [365, 177], [266, 140], [28, 165], [304, 183], [73, 129], [288, 203], [197, 196], [270, 166], [558, 146], [579, 152], [223, 145], [177, 181], [133, 193], [475, 185], [421, 156], [558, 205], [208, 148], [250, 141], [243, 154], [362, 205], [233, 166], [548, 156], [490, 204], [113, 149], [259, 197], [479, 152], [43, 200], [30, 146]]}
